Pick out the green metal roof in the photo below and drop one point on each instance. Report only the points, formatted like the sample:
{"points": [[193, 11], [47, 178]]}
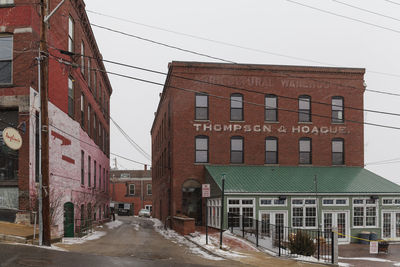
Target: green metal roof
{"points": [[268, 179]]}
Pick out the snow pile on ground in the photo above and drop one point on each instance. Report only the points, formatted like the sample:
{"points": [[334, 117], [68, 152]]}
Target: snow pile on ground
{"points": [[52, 247], [113, 224], [396, 264], [343, 264], [79, 240], [181, 241], [365, 259]]}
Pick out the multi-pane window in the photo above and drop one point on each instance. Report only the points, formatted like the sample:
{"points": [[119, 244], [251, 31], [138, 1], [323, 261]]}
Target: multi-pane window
{"points": [[95, 84], [83, 58], [304, 108], [94, 174], [131, 189], [201, 106], [271, 150], [149, 189], [334, 202], [236, 107], [71, 32], [337, 109], [70, 97], [305, 150], [6, 53], [236, 149], [82, 167], [337, 151], [89, 172], [201, 143], [89, 73], [272, 202], [271, 108], [89, 108], [82, 110], [304, 213], [6, 2], [365, 212]]}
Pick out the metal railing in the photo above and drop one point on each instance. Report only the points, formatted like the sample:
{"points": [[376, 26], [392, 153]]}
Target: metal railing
{"points": [[283, 240], [83, 227]]}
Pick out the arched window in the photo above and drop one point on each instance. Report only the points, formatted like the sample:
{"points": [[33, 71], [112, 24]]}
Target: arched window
{"points": [[237, 149], [337, 109], [271, 108], [237, 107], [337, 151], [305, 150], [201, 148], [304, 108], [271, 150]]}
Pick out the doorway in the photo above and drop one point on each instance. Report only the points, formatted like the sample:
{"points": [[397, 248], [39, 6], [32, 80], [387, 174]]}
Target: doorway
{"points": [[339, 219], [191, 200], [68, 219], [391, 224]]}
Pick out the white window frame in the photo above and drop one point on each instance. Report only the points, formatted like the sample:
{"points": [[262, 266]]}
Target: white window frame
{"points": [[214, 204], [6, 2], [11, 56], [129, 189], [304, 206], [364, 206], [240, 205], [71, 34], [393, 202], [334, 202], [272, 202], [83, 58]]}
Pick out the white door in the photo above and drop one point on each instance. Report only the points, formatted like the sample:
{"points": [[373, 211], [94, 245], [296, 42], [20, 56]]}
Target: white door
{"points": [[270, 220], [338, 219], [391, 225]]}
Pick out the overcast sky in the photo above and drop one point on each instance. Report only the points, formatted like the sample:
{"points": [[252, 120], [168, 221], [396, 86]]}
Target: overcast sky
{"points": [[275, 26]]}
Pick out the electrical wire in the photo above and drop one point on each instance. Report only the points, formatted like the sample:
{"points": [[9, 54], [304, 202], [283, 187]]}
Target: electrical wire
{"points": [[242, 101], [238, 88], [343, 16], [392, 2], [233, 45]]}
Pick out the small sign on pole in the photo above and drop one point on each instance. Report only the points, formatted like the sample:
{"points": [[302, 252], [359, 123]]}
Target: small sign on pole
{"points": [[373, 247], [205, 190]]}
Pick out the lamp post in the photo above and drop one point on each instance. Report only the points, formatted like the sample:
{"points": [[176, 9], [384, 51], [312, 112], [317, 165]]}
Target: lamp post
{"points": [[222, 211]]}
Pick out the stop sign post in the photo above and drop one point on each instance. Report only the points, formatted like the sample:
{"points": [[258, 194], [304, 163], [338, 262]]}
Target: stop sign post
{"points": [[205, 192]]}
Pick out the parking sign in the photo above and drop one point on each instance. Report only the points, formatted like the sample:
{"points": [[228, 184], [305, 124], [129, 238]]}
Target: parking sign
{"points": [[205, 190]]}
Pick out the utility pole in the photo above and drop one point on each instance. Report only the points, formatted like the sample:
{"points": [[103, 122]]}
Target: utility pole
{"points": [[45, 190]]}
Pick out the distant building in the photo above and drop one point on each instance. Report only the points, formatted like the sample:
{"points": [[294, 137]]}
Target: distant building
{"points": [[131, 191], [79, 95], [286, 141]]}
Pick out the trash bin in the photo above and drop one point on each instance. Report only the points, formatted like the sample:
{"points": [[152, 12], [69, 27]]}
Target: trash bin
{"points": [[373, 236], [365, 237]]}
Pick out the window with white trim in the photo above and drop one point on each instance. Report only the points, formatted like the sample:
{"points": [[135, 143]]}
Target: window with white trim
{"points": [[304, 213], [6, 56], [6, 2], [131, 189], [71, 32], [214, 213], [391, 201], [272, 202], [83, 58], [241, 207], [149, 189], [334, 202], [365, 212]]}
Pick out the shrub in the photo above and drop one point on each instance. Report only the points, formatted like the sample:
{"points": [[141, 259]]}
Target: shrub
{"points": [[302, 244]]}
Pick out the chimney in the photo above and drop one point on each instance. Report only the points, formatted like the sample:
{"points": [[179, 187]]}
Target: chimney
{"points": [[145, 167]]}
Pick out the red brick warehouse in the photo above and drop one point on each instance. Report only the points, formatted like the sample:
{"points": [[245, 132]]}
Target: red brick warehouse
{"points": [[233, 114]]}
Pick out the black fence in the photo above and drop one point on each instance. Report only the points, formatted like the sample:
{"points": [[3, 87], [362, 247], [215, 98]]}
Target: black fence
{"points": [[83, 227], [283, 240]]}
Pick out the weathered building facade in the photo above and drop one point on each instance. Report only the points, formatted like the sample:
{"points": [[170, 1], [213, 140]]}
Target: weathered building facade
{"points": [[276, 117], [131, 187], [79, 95]]}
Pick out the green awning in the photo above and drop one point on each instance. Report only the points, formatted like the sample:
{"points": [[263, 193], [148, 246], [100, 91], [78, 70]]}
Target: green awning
{"points": [[268, 179]]}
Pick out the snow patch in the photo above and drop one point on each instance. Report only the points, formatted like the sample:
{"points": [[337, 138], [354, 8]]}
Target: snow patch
{"points": [[52, 247], [79, 240], [396, 264], [365, 259], [114, 224], [343, 264]]}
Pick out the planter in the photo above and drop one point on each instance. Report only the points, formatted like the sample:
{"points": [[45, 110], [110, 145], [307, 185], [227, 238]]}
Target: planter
{"points": [[183, 225], [383, 247]]}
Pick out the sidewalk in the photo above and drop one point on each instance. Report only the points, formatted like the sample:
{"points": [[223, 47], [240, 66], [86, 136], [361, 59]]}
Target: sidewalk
{"points": [[19, 233], [235, 248]]}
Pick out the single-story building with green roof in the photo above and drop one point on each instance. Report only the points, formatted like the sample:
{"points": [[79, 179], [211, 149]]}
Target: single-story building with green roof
{"points": [[352, 199]]}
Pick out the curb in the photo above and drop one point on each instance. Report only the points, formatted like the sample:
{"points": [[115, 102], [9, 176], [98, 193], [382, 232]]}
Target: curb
{"points": [[205, 249], [13, 238]]}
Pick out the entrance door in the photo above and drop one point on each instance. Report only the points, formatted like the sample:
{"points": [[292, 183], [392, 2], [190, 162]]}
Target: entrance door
{"points": [[191, 200], [391, 225], [270, 220], [68, 219], [339, 219]]}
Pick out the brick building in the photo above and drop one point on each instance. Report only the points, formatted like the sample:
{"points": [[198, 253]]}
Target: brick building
{"points": [[274, 132], [132, 187], [79, 95]]}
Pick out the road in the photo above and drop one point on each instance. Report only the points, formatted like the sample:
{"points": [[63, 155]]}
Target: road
{"points": [[134, 243]]}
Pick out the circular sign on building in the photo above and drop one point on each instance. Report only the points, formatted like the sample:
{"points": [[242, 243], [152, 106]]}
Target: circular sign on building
{"points": [[12, 138]]}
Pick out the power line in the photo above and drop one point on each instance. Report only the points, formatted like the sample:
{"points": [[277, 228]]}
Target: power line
{"points": [[238, 88], [366, 10], [133, 143], [392, 2], [125, 158], [232, 45], [346, 17], [247, 102]]}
